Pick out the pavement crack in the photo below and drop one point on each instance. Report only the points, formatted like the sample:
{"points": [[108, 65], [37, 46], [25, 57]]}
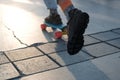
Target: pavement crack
{"points": [[15, 36], [18, 39]]}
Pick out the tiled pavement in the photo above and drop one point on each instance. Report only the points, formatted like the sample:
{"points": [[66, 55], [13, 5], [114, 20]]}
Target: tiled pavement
{"points": [[98, 60], [47, 59]]}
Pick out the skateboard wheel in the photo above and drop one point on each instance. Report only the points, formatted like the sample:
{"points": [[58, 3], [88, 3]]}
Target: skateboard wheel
{"points": [[58, 34], [43, 26]]}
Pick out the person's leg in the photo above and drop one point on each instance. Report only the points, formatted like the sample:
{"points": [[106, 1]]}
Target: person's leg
{"points": [[51, 4], [54, 17], [66, 6], [77, 23]]}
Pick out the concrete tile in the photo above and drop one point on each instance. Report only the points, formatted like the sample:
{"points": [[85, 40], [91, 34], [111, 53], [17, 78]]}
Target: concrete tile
{"points": [[90, 40], [100, 49], [110, 65], [3, 58], [104, 68], [53, 47], [106, 36], [64, 58], [7, 71], [115, 42], [81, 71], [23, 53], [35, 65], [117, 31]]}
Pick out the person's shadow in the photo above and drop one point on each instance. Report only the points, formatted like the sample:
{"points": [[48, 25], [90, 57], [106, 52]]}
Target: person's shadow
{"points": [[76, 67]]}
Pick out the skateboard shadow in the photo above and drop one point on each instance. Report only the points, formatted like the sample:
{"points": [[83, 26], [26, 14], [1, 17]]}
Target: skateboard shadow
{"points": [[48, 36]]}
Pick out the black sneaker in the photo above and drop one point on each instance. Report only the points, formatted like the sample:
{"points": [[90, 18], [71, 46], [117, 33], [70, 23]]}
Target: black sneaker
{"points": [[76, 28], [53, 19]]}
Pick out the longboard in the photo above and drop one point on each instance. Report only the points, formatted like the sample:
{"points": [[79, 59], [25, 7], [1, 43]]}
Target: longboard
{"points": [[58, 30]]}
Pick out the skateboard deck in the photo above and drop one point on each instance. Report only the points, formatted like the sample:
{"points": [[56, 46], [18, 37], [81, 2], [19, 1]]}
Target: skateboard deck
{"points": [[58, 30]]}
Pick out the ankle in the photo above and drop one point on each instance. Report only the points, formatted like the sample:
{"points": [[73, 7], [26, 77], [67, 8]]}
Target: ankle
{"points": [[53, 12]]}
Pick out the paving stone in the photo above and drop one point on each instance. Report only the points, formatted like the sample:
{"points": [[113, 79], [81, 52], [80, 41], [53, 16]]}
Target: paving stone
{"points": [[100, 49], [117, 31], [106, 36], [64, 58], [35, 65], [110, 65], [7, 71], [23, 53], [115, 42], [104, 68], [81, 71], [90, 40], [3, 58], [53, 47]]}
